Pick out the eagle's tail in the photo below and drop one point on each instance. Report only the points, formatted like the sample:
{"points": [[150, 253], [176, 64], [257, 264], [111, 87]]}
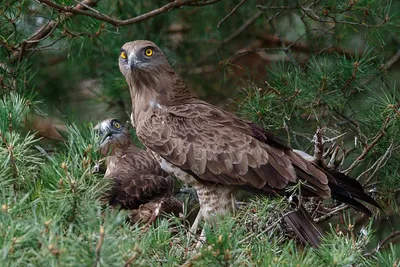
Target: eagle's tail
{"points": [[349, 190], [304, 227]]}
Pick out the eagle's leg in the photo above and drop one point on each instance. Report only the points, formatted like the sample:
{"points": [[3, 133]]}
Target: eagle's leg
{"points": [[202, 238], [215, 201], [196, 222], [155, 213], [193, 229]]}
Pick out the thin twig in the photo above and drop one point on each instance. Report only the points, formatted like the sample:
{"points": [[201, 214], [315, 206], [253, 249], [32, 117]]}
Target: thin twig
{"points": [[230, 13], [380, 163], [265, 230], [307, 11], [245, 52], [376, 139], [287, 50], [99, 245], [319, 148], [332, 213], [235, 34], [116, 22], [43, 33], [87, 6], [386, 240]]}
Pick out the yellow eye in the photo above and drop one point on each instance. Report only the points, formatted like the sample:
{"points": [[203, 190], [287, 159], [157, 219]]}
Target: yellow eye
{"points": [[117, 125], [149, 52], [123, 55]]}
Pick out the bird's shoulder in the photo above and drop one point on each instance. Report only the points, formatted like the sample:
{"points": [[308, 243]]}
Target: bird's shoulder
{"points": [[201, 119]]}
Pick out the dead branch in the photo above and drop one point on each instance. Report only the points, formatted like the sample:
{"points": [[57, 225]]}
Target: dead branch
{"points": [[386, 240], [235, 34], [378, 164], [367, 148], [45, 31], [311, 14], [332, 213], [319, 148], [230, 13], [99, 245], [246, 51], [286, 49], [116, 22]]}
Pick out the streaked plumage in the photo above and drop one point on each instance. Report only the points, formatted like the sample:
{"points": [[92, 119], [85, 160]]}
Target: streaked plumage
{"points": [[211, 149], [139, 183]]}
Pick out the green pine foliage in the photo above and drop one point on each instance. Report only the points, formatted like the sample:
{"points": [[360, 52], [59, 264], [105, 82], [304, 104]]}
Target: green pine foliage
{"points": [[291, 66]]}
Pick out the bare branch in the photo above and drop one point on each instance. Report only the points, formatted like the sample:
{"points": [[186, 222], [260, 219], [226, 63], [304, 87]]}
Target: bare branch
{"points": [[369, 147], [310, 13], [230, 13], [332, 213], [378, 164], [44, 32], [319, 148], [386, 240], [99, 245], [287, 50], [116, 22]]}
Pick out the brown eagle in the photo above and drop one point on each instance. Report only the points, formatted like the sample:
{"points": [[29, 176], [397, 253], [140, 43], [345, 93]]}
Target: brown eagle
{"points": [[215, 151], [138, 182]]}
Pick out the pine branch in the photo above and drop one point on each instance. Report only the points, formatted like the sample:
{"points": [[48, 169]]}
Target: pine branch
{"points": [[118, 23], [45, 31]]}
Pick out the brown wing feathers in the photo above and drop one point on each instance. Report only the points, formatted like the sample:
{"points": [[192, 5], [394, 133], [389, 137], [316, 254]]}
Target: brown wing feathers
{"points": [[215, 146], [218, 150]]}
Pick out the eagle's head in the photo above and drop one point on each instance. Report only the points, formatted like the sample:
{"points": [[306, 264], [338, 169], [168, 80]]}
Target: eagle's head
{"points": [[141, 56], [112, 136]]}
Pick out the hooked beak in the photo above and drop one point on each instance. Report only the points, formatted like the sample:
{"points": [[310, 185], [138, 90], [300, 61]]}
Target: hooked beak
{"points": [[107, 133], [133, 65], [133, 62]]}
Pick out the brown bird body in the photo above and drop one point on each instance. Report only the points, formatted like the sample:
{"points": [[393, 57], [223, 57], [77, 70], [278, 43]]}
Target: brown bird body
{"points": [[138, 182], [211, 149]]}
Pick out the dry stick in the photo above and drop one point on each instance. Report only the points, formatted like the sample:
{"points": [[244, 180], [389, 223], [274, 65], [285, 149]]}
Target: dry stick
{"points": [[296, 45], [245, 52], [116, 22], [369, 147], [238, 32], [381, 163], [331, 214], [384, 241], [377, 165], [393, 59], [266, 230], [131, 259], [43, 33], [99, 244], [287, 50], [276, 7], [319, 148], [205, 3], [87, 6], [309, 13], [235, 34], [230, 13]]}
